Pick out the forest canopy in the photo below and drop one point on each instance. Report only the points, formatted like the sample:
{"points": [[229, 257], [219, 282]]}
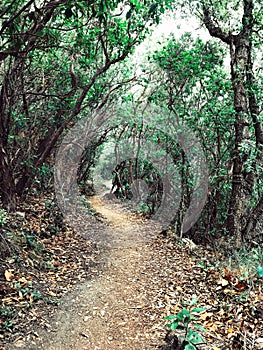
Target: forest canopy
{"points": [[63, 61]]}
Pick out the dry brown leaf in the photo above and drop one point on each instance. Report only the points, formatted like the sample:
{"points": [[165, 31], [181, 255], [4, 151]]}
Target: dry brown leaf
{"points": [[51, 293], [8, 275], [206, 315], [223, 282], [7, 300]]}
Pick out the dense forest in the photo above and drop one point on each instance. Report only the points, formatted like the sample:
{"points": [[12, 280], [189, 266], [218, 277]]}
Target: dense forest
{"points": [[177, 129]]}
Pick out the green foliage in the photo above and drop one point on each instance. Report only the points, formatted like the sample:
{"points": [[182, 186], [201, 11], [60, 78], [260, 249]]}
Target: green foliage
{"points": [[183, 321], [65, 61], [61, 61], [27, 293], [3, 217], [9, 325], [143, 208], [31, 241], [197, 91], [260, 271], [7, 314], [248, 262]]}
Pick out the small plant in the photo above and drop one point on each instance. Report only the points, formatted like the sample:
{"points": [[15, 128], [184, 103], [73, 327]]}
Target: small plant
{"points": [[30, 240], [143, 209], [54, 218], [85, 202], [6, 312], [27, 293], [3, 217], [183, 321], [248, 263], [8, 325], [206, 266]]}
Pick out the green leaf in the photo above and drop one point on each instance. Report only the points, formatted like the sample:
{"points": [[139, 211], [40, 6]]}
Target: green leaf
{"points": [[170, 317], [198, 309], [181, 328], [190, 347], [153, 7], [182, 315], [260, 271], [200, 327], [194, 337], [193, 301], [174, 326], [128, 14], [185, 312]]}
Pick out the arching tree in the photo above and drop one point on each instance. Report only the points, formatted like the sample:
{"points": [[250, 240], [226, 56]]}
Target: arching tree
{"points": [[54, 60], [196, 89]]}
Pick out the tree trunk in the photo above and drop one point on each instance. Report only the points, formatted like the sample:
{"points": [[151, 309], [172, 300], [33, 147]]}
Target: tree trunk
{"points": [[242, 181], [7, 188], [253, 221]]}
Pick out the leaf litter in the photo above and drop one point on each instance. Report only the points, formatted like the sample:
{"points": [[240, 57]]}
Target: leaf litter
{"points": [[72, 294]]}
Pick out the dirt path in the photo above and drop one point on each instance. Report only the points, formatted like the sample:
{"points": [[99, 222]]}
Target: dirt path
{"points": [[137, 279], [107, 312]]}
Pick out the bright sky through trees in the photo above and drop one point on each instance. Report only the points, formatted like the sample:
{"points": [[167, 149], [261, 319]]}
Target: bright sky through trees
{"points": [[175, 25]]}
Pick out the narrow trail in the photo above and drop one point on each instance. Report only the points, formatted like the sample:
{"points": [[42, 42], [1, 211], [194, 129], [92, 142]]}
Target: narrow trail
{"points": [[138, 278], [108, 312]]}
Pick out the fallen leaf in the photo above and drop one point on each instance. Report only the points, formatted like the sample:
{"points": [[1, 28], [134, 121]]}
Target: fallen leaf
{"points": [[242, 285], [206, 315], [102, 312], [223, 282], [8, 275], [230, 330], [52, 293]]}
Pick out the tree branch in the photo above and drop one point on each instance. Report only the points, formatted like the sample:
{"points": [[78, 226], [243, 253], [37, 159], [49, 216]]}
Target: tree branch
{"points": [[11, 20], [214, 30]]}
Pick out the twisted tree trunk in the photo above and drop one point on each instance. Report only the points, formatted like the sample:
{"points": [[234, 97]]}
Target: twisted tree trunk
{"points": [[240, 46]]}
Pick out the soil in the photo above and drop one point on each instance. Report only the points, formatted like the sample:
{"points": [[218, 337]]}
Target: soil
{"points": [[106, 312], [139, 278]]}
